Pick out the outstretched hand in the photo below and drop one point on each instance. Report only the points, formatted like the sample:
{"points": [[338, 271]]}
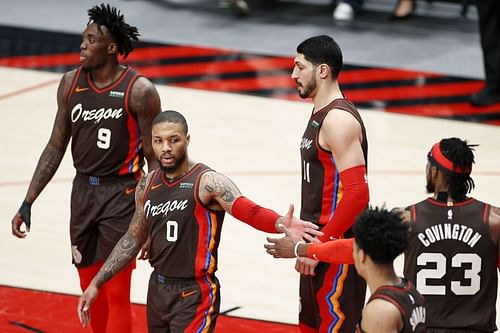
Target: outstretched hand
{"points": [[88, 297], [282, 247], [302, 229]]}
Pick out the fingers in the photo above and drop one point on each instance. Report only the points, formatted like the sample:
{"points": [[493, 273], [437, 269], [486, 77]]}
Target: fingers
{"points": [[17, 222], [83, 312], [289, 214]]}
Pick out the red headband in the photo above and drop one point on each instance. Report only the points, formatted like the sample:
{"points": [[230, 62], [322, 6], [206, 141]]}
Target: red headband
{"points": [[437, 155]]}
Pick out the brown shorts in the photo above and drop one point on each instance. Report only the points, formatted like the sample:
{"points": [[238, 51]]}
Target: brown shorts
{"points": [[332, 300], [101, 211], [182, 305]]}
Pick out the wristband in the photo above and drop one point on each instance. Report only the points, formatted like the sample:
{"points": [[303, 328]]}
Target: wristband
{"points": [[296, 248]]}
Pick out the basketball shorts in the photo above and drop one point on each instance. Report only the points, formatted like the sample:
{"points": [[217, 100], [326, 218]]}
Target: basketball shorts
{"points": [[182, 305], [332, 300], [101, 211]]}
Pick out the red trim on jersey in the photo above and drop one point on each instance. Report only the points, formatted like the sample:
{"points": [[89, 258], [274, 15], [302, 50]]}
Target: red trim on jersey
{"points": [[132, 163], [445, 204], [73, 84], [328, 296], [413, 213], [332, 189], [208, 224], [337, 251], [100, 91], [355, 198], [203, 318], [437, 155], [485, 213], [177, 181]]}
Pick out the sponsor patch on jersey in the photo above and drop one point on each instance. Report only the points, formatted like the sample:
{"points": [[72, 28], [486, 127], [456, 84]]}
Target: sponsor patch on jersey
{"points": [[117, 94], [186, 185]]}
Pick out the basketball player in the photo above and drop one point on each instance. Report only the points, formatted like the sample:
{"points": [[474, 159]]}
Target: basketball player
{"points": [[180, 207], [106, 109], [334, 187], [454, 245], [379, 237]]}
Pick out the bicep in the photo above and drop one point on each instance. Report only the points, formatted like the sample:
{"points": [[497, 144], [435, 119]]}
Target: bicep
{"points": [[216, 187], [341, 134], [145, 104], [61, 130]]}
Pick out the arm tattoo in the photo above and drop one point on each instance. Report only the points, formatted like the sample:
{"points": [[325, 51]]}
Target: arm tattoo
{"points": [[221, 188], [125, 250], [142, 183]]}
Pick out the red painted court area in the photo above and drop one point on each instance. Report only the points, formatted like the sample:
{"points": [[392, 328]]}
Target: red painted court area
{"points": [[24, 310]]}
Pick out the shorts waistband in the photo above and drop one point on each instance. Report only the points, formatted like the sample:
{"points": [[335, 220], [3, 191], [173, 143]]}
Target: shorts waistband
{"points": [[97, 181]]}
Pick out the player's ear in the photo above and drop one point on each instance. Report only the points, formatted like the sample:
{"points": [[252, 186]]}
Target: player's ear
{"points": [[324, 70], [113, 49]]}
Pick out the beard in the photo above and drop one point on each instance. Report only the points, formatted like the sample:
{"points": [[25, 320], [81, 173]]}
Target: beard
{"points": [[309, 88], [175, 167]]}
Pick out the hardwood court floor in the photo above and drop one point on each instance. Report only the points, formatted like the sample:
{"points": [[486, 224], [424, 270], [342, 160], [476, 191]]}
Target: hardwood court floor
{"points": [[255, 141]]}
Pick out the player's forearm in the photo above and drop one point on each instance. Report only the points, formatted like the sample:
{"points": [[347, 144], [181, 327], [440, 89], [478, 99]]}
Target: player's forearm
{"points": [[260, 218], [355, 198], [335, 252], [46, 168], [123, 253]]}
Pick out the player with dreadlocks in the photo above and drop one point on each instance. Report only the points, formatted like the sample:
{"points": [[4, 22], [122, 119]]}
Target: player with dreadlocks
{"points": [[106, 109], [454, 245]]}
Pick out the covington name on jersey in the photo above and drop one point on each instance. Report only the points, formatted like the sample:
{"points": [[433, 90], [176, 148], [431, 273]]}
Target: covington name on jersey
{"points": [[453, 231]]}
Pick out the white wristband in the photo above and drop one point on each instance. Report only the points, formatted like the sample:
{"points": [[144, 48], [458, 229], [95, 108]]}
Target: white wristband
{"points": [[296, 248]]}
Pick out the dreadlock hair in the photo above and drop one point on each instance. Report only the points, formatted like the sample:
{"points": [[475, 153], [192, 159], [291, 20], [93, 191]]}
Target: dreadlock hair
{"points": [[125, 36], [171, 116], [381, 234], [322, 50], [461, 154]]}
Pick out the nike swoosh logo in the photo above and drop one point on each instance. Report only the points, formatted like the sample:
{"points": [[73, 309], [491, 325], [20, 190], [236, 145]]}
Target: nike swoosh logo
{"points": [[185, 294], [129, 190], [78, 89], [155, 186], [333, 238]]}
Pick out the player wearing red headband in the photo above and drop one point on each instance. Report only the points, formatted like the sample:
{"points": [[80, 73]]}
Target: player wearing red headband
{"points": [[454, 247]]}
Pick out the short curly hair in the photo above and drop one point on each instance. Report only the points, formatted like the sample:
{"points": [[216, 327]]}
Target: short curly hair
{"points": [[125, 35], [381, 234]]}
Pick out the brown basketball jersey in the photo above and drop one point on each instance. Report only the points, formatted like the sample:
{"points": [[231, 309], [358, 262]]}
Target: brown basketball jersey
{"points": [[321, 186], [106, 139], [453, 263], [184, 232], [409, 303]]}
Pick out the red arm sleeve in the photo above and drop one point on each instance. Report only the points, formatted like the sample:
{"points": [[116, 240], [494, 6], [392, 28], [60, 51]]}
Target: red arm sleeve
{"points": [[337, 251], [355, 197], [254, 215]]}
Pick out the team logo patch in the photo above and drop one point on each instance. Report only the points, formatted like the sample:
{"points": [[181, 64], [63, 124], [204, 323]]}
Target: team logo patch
{"points": [[117, 94], [186, 185]]}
